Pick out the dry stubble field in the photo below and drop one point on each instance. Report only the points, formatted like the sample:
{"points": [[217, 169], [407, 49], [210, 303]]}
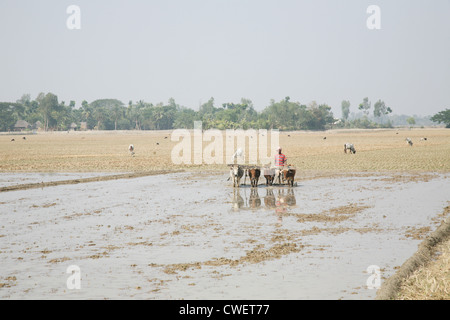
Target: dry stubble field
{"points": [[377, 151]]}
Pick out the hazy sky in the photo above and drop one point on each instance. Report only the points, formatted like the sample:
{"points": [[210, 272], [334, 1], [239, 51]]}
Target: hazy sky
{"points": [[193, 50]]}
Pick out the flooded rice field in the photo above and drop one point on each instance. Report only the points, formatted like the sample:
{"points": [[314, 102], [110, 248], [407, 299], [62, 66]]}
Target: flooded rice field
{"points": [[11, 179], [192, 236]]}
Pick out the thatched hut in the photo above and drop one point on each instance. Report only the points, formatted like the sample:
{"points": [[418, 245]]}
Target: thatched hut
{"points": [[21, 125]]}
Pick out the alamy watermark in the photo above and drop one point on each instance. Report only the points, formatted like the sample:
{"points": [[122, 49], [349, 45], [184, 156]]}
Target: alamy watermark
{"points": [[74, 280], [374, 280], [200, 146], [73, 22], [374, 20]]}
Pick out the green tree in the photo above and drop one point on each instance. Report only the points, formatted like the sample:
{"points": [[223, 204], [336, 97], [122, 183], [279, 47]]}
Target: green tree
{"points": [[365, 106], [442, 117], [87, 114], [411, 121], [99, 114], [64, 116], [236, 115], [207, 108], [184, 118], [118, 112], [345, 106], [25, 106], [110, 111], [32, 112], [8, 117], [47, 105], [320, 116], [135, 112], [380, 109]]}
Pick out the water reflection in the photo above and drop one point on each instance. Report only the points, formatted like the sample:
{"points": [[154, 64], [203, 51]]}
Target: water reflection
{"points": [[277, 199], [255, 200], [252, 199], [238, 201]]}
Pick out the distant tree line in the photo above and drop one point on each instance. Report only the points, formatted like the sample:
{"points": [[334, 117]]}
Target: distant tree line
{"points": [[379, 120], [113, 114]]}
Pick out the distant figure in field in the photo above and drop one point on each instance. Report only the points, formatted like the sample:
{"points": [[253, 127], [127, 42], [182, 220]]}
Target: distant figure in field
{"points": [[239, 154], [409, 141], [131, 149], [349, 146]]}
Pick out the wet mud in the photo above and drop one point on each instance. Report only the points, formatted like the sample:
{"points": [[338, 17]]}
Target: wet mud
{"points": [[191, 235]]}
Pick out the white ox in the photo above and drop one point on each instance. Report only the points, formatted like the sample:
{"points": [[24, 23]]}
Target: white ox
{"points": [[349, 146], [236, 173]]}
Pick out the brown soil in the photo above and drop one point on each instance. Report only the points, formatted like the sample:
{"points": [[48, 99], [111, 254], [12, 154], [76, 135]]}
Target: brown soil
{"points": [[377, 151]]}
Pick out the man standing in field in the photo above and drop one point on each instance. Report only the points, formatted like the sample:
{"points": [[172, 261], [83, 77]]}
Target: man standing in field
{"points": [[280, 162]]}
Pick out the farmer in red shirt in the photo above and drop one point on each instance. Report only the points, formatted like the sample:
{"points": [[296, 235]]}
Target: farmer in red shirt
{"points": [[280, 161]]}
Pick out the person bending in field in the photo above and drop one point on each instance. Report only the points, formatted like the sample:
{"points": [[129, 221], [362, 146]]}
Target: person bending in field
{"points": [[131, 149]]}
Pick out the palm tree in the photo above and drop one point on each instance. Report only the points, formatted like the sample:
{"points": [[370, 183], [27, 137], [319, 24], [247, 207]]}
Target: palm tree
{"points": [[99, 115], [117, 112]]}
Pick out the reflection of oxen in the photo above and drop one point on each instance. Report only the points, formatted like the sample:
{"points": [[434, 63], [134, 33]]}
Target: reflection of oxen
{"points": [[255, 200], [279, 200], [280, 207], [236, 173], [286, 198], [269, 199], [253, 174], [238, 201], [269, 174], [282, 202], [290, 198]]}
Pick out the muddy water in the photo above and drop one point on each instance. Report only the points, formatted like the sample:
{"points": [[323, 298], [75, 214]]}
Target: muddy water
{"points": [[11, 179], [192, 236]]}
